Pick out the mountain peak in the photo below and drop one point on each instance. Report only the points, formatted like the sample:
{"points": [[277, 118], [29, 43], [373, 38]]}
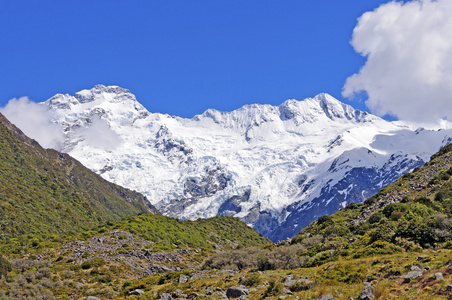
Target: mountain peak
{"points": [[108, 102], [115, 94]]}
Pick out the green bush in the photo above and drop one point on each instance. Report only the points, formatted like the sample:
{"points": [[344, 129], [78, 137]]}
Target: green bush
{"points": [[376, 217], [5, 266], [447, 245], [376, 248], [300, 286], [325, 220], [348, 273], [353, 206], [95, 262], [251, 280], [274, 289]]}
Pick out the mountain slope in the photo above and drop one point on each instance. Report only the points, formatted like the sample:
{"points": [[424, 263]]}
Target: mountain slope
{"points": [[44, 192], [275, 167], [416, 210]]}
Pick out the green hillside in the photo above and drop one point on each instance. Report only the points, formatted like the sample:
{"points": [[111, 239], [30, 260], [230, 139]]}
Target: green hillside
{"points": [[412, 213], [45, 194], [206, 234]]}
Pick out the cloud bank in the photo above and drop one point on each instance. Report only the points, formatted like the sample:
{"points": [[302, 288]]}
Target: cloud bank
{"points": [[408, 72], [99, 135], [35, 120]]}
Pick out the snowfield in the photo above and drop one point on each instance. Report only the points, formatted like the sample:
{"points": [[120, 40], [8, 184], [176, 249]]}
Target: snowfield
{"points": [[275, 167]]}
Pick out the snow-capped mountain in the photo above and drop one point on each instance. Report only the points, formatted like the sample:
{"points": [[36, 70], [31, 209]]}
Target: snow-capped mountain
{"points": [[275, 167]]}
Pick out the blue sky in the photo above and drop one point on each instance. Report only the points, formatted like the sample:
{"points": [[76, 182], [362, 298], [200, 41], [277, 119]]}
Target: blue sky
{"points": [[181, 57]]}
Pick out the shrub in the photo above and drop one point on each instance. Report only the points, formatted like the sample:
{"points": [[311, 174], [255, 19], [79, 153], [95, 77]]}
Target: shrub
{"points": [[407, 245], [395, 211], [447, 245], [300, 286], [43, 273], [347, 273], [376, 217], [377, 248], [320, 259], [251, 280], [370, 201], [325, 220], [5, 266], [274, 289], [353, 206], [95, 262]]}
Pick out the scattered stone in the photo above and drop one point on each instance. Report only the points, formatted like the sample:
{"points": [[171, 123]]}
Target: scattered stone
{"points": [[368, 292], [437, 276], [423, 258], [449, 287], [209, 291], [176, 293], [183, 278], [415, 268], [237, 291], [165, 296], [192, 295], [136, 292], [91, 298], [415, 272], [325, 297]]}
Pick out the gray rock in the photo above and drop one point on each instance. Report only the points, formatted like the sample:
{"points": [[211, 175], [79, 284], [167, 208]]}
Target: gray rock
{"points": [[415, 268], [91, 298], [192, 295], [209, 291], [413, 275], [237, 291], [136, 292], [437, 276], [368, 292], [165, 296], [449, 287], [325, 297], [423, 258], [183, 279]]}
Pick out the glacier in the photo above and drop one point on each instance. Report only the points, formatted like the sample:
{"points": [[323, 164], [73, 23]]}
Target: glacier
{"points": [[277, 168]]}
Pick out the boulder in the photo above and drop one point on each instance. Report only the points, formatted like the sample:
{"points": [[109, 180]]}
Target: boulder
{"points": [[237, 291], [164, 296], [437, 276], [136, 292], [183, 278], [368, 292], [415, 272]]}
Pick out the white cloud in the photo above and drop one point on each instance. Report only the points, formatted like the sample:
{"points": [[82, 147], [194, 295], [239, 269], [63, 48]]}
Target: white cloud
{"points": [[99, 135], [35, 121], [408, 72]]}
